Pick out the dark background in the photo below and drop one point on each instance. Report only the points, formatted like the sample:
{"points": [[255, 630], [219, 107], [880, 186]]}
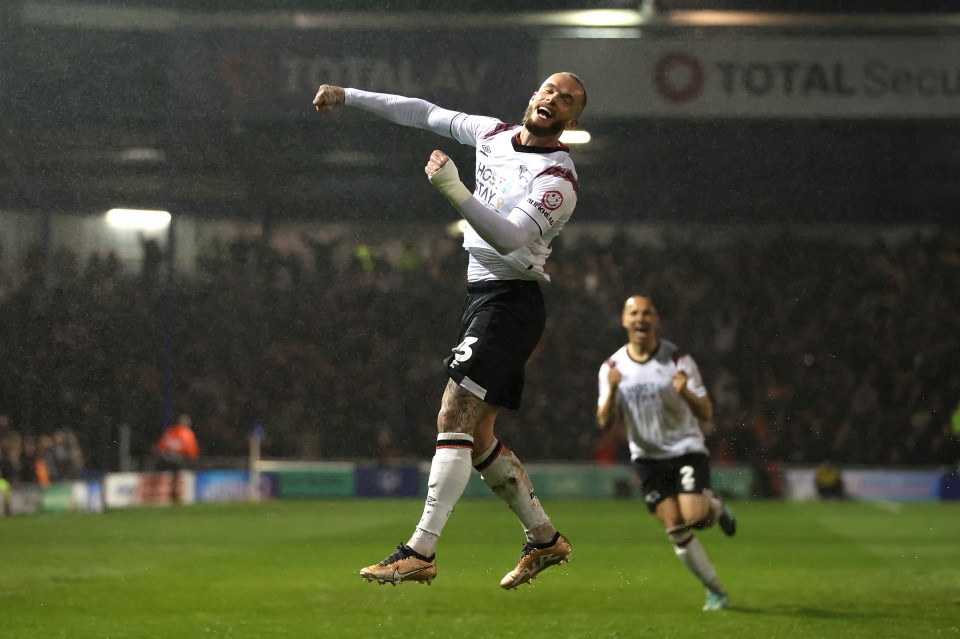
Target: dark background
{"points": [[77, 99], [833, 343]]}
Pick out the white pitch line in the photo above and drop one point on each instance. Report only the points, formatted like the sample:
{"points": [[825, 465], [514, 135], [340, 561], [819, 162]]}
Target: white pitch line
{"points": [[889, 506]]}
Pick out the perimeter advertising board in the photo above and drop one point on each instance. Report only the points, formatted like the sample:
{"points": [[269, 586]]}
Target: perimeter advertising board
{"points": [[786, 77], [262, 74], [870, 484], [256, 75]]}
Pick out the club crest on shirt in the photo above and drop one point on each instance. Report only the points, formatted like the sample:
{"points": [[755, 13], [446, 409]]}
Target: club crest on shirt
{"points": [[525, 175]]}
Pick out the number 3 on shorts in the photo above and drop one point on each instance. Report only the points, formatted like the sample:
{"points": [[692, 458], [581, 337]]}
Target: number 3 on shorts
{"points": [[687, 482], [463, 352]]}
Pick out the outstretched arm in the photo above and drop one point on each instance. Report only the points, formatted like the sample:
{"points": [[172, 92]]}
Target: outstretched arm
{"points": [[398, 109], [504, 234], [329, 98]]}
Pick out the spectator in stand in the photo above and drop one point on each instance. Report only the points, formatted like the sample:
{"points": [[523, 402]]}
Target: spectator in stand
{"points": [[177, 450], [829, 481], [67, 455], [44, 464], [10, 442]]}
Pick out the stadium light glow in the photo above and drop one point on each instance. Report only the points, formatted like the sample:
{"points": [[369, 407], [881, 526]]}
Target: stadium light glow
{"points": [[138, 219], [575, 137], [142, 154], [456, 229], [604, 18]]}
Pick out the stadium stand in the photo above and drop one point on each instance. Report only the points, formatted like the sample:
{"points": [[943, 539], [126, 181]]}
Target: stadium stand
{"points": [[813, 348]]}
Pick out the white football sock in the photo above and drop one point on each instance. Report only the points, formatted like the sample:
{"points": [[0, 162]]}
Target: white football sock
{"points": [[449, 474], [694, 556], [506, 476]]}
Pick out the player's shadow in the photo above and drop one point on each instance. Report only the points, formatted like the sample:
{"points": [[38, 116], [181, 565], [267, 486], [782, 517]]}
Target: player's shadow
{"points": [[804, 611]]}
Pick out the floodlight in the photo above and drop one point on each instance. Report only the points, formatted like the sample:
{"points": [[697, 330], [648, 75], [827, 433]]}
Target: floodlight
{"points": [[575, 137], [138, 219]]}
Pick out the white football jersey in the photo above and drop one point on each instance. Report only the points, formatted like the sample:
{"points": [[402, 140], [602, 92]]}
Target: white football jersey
{"points": [[660, 424], [541, 182]]}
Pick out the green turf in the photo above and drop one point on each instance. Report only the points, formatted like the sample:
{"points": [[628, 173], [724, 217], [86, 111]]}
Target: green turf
{"points": [[289, 569]]}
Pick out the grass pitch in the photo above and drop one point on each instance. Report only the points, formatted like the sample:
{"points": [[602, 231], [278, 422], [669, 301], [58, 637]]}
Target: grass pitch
{"points": [[289, 569]]}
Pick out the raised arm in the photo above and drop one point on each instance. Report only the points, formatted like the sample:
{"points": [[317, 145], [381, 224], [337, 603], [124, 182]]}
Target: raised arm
{"points": [[607, 413], [412, 112], [504, 234], [688, 383]]}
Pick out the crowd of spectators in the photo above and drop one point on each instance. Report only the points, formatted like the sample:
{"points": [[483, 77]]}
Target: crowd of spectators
{"points": [[38, 459], [812, 347]]}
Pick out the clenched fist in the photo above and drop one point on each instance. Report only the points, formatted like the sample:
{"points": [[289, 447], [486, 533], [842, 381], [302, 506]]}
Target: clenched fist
{"points": [[328, 98], [438, 160]]}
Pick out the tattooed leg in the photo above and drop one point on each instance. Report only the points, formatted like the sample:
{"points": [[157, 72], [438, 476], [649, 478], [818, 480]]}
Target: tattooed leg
{"points": [[463, 412]]}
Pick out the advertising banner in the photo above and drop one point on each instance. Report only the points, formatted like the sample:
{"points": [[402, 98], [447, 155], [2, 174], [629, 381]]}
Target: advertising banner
{"points": [[58, 497], [735, 482], [26, 500], [264, 74], [275, 75], [387, 481], [223, 485], [315, 483], [892, 485], [870, 485], [763, 77], [123, 490], [566, 481], [157, 488]]}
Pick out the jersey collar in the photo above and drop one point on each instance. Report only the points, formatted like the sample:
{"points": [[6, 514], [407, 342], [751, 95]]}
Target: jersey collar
{"points": [[653, 355], [520, 148]]}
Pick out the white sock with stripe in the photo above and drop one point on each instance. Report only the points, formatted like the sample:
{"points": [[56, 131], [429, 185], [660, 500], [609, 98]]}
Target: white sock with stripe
{"points": [[691, 552], [449, 474], [506, 476]]}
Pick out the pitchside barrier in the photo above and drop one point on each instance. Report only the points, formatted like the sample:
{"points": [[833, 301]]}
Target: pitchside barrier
{"points": [[314, 480]]}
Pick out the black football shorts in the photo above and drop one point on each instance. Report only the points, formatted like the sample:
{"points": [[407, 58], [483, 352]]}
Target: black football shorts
{"points": [[501, 324], [662, 478]]}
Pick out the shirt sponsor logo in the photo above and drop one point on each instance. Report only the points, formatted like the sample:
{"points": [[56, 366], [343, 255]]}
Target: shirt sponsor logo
{"points": [[552, 200], [542, 209], [489, 183]]}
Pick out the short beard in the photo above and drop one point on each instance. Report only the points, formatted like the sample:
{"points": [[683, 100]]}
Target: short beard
{"points": [[541, 131]]}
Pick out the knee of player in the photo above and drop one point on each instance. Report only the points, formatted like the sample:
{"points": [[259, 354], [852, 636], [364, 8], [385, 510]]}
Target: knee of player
{"points": [[679, 535], [701, 524]]}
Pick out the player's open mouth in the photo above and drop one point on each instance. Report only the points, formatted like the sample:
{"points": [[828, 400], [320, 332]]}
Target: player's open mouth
{"points": [[544, 112]]}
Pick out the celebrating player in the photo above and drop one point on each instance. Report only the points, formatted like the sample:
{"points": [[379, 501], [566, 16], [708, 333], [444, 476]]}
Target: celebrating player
{"points": [[656, 391], [526, 190]]}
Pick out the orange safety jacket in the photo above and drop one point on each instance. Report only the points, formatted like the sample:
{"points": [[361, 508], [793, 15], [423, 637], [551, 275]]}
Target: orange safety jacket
{"points": [[178, 441]]}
